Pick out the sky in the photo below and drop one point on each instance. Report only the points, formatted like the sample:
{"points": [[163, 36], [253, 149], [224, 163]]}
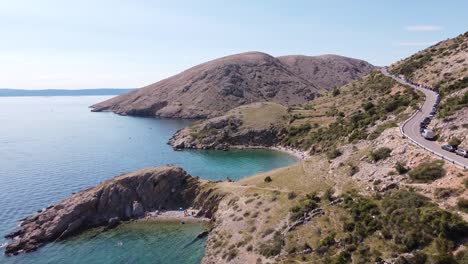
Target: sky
{"points": [[65, 44]]}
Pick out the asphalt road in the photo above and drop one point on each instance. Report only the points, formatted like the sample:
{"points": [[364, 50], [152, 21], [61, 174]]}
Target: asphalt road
{"points": [[410, 128]]}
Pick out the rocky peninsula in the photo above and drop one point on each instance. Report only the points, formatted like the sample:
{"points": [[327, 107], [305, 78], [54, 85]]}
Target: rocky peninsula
{"points": [[124, 197]]}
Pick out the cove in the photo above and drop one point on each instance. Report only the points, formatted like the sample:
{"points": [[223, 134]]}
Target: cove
{"points": [[54, 146]]}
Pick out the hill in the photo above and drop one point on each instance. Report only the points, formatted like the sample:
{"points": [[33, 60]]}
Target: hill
{"points": [[213, 88], [326, 71], [443, 66], [350, 200], [62, 92]]}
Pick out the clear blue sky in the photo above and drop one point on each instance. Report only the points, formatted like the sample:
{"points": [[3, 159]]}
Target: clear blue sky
{"points": [[99, 43]]}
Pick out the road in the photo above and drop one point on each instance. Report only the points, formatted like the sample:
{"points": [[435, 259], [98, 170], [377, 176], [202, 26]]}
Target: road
{"points": [[410, 128]]}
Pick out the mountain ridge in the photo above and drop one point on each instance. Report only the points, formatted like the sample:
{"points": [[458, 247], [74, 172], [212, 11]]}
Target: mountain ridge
{"points": [[214, 87]]}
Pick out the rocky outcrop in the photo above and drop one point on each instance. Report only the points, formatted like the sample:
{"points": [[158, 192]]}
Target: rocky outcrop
{"points": [[228, 131], [125, 197], [215, 87]]}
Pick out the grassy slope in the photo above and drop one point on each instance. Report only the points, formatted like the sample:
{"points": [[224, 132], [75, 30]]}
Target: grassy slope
{"points": [[256, 209], [382, 226], [337, 119]]}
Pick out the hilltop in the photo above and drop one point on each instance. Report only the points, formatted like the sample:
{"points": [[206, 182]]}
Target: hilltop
{"points": [[215, 87]]}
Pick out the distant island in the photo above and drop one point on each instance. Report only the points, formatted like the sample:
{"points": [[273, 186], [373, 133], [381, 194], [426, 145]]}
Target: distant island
{"points": [[62, 92]]}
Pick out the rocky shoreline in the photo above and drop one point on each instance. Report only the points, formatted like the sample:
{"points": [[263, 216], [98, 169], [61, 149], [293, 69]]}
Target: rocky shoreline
{"points": [[126, 197]]}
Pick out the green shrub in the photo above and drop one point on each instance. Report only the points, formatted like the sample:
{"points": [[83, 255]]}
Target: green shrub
{"points": [[327, 241], [272, 247], [336, 92], [465, 182], [306, 205], [401, 168], [380, 154], [428, 171], [463, 204], [443, 192], [267, 179], [454, 141]]}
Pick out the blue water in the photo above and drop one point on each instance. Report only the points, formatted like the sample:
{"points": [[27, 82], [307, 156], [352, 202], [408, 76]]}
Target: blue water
{"points": [[53, 146]]}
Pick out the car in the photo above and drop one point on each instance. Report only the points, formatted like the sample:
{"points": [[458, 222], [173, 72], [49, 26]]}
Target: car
{"points": [[428, 134], [422, 125], [449, 148], [462, 152], [426, 120]]}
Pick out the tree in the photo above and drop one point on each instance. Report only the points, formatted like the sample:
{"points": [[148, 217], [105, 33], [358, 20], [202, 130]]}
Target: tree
{"points": [[454, 141]]}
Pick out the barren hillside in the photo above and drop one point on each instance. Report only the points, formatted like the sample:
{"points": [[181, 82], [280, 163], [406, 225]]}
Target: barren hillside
{"points": [[212, 88]]}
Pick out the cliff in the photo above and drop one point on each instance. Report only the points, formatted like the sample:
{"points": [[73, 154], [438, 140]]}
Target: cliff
{"points": [[124, 197]]}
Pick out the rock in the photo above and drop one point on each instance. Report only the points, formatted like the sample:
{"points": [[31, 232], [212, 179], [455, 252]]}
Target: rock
{"points": [[137, 210], [106, 204], [113, 222], [388, 187]]}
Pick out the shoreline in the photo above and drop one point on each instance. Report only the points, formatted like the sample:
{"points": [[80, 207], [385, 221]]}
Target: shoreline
{"points": [[173, 216], [299, 154]]}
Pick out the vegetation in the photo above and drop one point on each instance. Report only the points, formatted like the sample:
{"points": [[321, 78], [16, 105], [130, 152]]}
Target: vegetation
{"points": [[453, 87], [336, 92], [272, 247], [428, 171], [463, 205], [401, 168], [267, 179], [406, 220], [342, 120], [380, 154], [306, 205], [381, 128], [454, 141], [410, 65], [453, 104]]}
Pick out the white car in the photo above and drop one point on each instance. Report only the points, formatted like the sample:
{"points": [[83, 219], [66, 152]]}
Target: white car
{"points": [[428, 134], [462, 152]]}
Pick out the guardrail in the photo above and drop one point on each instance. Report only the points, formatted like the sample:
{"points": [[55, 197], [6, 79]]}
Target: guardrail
{"points": [[441, 156], [402, 131]]}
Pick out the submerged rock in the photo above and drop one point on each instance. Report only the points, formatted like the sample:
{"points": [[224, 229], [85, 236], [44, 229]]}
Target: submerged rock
{"points": [[121, 198]]}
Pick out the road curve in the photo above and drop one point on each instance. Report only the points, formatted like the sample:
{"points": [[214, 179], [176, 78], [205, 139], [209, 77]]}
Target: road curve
{"points": [[410, 128]]}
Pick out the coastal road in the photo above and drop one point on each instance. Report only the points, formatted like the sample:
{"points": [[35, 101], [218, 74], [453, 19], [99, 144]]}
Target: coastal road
{"points": [[410, 128]]}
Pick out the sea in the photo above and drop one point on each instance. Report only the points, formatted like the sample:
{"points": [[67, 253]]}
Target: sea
{"points": [[51, 147]]}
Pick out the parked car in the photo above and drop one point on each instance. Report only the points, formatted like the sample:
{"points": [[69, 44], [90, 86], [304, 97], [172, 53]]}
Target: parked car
{"points": [[448, 148], [422, 125], [462, 152], [428, 134]]}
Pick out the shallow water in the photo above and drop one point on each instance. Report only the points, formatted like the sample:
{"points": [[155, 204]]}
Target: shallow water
{"points": [[53, 146]]}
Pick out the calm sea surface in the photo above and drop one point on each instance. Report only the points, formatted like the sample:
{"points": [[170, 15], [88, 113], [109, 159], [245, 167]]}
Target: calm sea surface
{"points": [[53, 146]]}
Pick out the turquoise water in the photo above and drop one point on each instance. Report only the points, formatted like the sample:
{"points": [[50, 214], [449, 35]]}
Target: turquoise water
{"points": [[53, 146]]}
